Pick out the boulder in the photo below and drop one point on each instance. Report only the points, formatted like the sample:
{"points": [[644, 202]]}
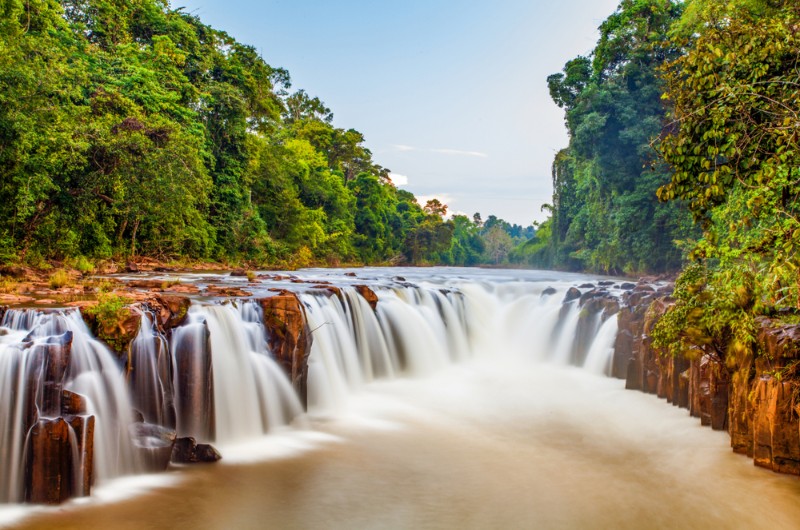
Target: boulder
{"points": [[48, 465], [188, 451], [289, 336], [368, 295], [194, 381], [573, 293]]}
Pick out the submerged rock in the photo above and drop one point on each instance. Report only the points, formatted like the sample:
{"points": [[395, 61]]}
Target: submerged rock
{"points": [[154, 444]]}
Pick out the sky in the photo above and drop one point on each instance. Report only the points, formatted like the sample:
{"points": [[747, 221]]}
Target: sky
{"points": [[450, 95]]}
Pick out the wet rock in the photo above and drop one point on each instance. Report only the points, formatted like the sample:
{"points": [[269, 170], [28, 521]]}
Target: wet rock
{"points": [[572, 294], [194, 377], [350, 274], [238, 273], [188, 451], [289, 336], [549, 291], [586, 286], [48, 466], [627, 286], [83, 427], [72, 404], [399, 279], [605, 283], [368, 295], [154, 444], [47, 366], [221, 290], [171, 310], [330, 290]]}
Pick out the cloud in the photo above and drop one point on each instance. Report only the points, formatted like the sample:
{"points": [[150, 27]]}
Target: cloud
{"points": [[458, 152], [398, 180], [401, 147]]}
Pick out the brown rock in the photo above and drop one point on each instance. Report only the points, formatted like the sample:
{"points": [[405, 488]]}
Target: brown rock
{"points": [[171, 310], [188, 451], [368, 295], [289, 336], [48, 466], [194, 387]]}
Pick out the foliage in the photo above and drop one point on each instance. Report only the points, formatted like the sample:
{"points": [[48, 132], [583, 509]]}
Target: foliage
{"points": [[132, 129], [605, 215], [734, 150]]}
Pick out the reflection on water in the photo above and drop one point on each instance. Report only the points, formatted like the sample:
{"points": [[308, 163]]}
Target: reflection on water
{"points": [[502, 444]]}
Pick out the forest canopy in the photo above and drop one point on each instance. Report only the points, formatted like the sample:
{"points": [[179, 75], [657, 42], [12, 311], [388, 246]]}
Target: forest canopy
{"points": [[129, 128]]}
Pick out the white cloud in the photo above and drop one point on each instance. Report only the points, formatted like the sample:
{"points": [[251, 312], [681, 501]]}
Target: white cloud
{"points": [[458, 152], [398, 180], [401, 147]]}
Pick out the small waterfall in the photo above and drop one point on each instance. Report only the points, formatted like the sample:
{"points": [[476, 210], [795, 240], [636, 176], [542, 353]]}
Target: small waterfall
{"points": [[601, 354], [91, 372], [150, 374], [251, 394]]}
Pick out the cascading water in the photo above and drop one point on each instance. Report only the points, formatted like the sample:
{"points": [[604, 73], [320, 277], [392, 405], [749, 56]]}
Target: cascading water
{"points": [[214, 378], [251, 393], [91, 373], [420, 330]]}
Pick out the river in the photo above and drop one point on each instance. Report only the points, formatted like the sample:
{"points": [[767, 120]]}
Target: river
{"points": [[509, 437]]}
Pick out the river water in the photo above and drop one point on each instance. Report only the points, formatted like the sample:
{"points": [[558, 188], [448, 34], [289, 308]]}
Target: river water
{"points": [[502, 439]]}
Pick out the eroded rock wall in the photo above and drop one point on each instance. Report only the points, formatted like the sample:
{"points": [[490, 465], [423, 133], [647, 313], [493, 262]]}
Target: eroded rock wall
{"points": [[755, 400]]}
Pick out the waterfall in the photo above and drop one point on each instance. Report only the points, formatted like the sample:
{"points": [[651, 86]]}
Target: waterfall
{"points": [[92, 373], [251, 394], [214, 377]]}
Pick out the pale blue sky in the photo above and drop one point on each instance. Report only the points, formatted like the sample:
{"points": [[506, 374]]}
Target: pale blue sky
{"points": [[451, 95]]}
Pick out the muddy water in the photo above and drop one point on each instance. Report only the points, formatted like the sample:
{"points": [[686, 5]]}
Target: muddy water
{"points": [[480, 446]]}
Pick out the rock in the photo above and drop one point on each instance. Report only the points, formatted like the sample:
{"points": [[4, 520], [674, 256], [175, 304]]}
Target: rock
{"points": [[194, 388], [188, 451], [186, 288], [549, 291], [48, 466], [605, 283], [586, 286], [350, 274], [238, 273], [83, 427], [171, 310], [221, 290], [154, 444], [368, 295], [117, 331], [627, 286], [72, 404], [572, 294], [330, 290], [399, 279], [289, 336]]}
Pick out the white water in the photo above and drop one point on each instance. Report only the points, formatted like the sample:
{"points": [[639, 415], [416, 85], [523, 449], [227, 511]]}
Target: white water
{"points": [[92, 373], [416, 332], [251, 394]]}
